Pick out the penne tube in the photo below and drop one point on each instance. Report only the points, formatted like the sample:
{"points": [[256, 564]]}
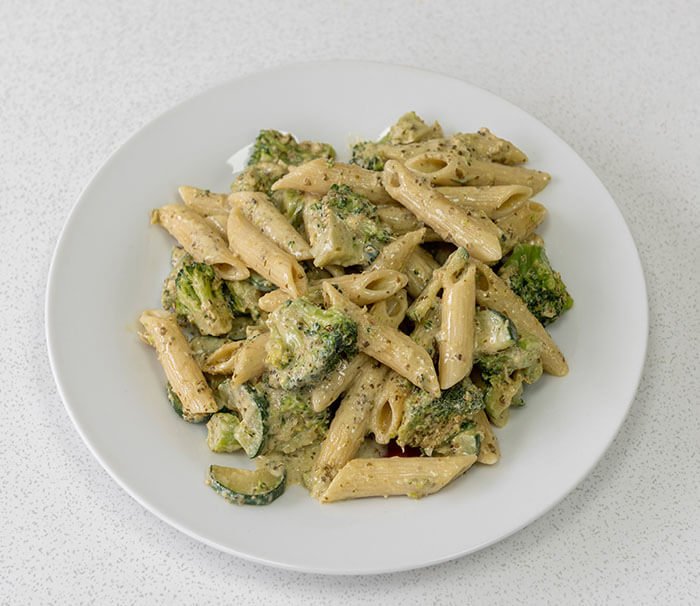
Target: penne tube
{"points": [[395, 254], [456, 336], [244, 360], [204, 201], [489, 452], [455, 264], [262, 255], [496, 201], [449, 221], [200, 239], [419, 269], [388, 345], [318, 175], [492, 292], [387, 412], [262, 213], [370, 286], [336, 383], [348, 428], [272, 300], [445, 168], [219, 223], [413, 477], [392, 310], [521, 223], [184, 375]]}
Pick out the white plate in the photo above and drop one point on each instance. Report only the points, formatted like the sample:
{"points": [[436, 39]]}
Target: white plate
{"points": [[109, 265]]}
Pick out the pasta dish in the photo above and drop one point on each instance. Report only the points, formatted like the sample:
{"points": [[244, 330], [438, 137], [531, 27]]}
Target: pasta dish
{"points": [[358, 328]]}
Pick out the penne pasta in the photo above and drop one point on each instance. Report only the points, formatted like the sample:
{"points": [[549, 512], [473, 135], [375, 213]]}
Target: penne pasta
{"points": [[243, 360], [521, 223], [204, 201], [317, 177], [445, 168], [455, 264], [419, 269], [414, 477], [273, 299], [348, 428], [449, 221], [370, 286], [387, 412], [200, 239], [396, 254], [324, 394], [257, 208], [493, 293], [496, 201], [185, 377], [262, 255], [456, 336], [388, 345], [489, 451]]}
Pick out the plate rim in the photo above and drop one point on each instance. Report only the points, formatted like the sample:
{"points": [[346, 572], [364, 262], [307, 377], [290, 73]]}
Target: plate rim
{"points": [[51, 287]]}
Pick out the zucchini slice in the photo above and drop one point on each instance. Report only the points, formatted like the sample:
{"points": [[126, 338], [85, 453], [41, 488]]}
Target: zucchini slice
{"points": [[252, 430], [177, 407], [245, 486], [493, 332]]}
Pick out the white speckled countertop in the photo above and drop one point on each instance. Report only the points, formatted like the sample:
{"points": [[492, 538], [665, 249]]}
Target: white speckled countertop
{"points": [[618, 81]]}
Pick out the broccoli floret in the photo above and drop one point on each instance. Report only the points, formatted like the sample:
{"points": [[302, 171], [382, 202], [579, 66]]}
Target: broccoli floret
{"points": [[344, 229], [306, 342], [367, 155], [274, 146], [431, 422], [290, 202], [220, 432], [259, 177], [504, 374], [528, 273], [199, 297], [178, 257], [466, 442], [243, 298], [292, 423]]}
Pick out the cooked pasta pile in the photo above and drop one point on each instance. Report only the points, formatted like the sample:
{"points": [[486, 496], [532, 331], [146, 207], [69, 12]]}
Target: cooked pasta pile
{"points": [[324, 316]]}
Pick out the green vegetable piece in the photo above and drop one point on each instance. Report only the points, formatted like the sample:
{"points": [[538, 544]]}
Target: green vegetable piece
{"points": [[178, 257], [344, 229], [411, 128], [199, 297], [493, 332], [466, 442], [274, 146], [176, 403], [504, 374], [292, 423], [221, 430], [529, 274], [251, 404], [306, 343], [243, 298], [367, 155], [259, 177], [431, 422], [245, 486]]}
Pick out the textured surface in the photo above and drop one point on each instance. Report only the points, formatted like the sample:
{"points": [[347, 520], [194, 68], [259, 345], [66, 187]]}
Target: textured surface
{"points": [[618, 82]]}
